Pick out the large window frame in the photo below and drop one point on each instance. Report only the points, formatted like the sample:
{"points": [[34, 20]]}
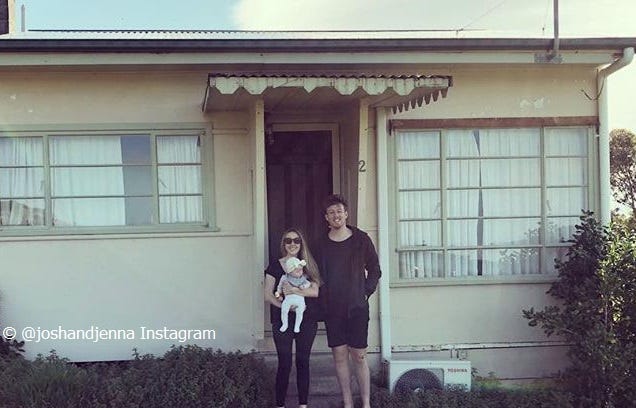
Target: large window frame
{"points": [[543, 247], [153, 132]]}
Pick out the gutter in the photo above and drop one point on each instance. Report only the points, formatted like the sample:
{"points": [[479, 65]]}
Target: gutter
{"points": [[603, 133], [290, 45]]}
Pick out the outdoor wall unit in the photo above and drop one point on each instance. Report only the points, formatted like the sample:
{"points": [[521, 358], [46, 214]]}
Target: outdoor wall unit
{"points": [[410, 375]]}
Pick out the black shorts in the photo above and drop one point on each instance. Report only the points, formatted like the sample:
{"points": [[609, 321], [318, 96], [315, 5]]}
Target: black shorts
{"points": [[352, 331]]}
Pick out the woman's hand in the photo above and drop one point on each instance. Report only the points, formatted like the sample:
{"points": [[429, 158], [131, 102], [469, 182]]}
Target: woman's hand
{"points": [[289, 289], [311, 291]]}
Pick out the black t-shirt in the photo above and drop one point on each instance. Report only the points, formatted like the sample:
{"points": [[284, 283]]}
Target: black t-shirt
{"points": [[275, 269], [338, 264]]}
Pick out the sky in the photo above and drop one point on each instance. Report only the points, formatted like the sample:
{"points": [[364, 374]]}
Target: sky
{"points": [[530, 18]]}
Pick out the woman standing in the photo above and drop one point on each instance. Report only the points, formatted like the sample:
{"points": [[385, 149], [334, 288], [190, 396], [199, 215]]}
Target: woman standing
{"points": [[293, 244]]}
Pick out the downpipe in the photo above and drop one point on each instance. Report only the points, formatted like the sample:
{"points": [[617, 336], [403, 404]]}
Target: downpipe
{"points": [[603, 133]]}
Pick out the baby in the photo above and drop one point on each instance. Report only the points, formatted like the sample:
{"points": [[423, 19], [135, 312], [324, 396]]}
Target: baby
{"points": [[296, 277]]}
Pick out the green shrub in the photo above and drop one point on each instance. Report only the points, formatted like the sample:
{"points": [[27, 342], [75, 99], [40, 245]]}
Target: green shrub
{"points": [[597, 316], [185, 377], [481, 398]]}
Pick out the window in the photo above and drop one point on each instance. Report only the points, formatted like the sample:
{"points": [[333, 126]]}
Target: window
{"points": [[488, 202], [58, 180]]}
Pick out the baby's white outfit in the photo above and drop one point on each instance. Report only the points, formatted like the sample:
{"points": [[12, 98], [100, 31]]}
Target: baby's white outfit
{"points": [[292, 299]]}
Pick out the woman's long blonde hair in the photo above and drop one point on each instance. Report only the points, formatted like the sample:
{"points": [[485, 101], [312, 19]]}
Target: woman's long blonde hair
{"points": [[311, 268]]}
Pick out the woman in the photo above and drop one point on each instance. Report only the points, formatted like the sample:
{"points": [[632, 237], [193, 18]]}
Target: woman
{"points": [[293, 244]]}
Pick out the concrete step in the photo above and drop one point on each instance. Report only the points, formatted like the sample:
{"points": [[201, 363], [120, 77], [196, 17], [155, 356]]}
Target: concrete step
{"points": [[324, 391]]}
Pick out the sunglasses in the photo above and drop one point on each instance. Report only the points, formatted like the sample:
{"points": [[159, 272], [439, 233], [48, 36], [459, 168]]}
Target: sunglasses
{"points": [[296, 241]]}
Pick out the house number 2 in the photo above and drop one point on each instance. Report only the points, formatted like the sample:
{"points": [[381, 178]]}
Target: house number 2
{"points": [[362, 166]]}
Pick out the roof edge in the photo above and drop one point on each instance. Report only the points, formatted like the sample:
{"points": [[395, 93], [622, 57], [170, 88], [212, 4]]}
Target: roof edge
{"points": [[614, 44]]}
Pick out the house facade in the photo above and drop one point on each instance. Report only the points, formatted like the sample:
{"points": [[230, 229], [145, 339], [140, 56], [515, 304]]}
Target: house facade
{"points": [[145, 179]]}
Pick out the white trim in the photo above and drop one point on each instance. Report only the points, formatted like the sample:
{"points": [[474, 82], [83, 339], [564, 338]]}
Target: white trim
{"points": [[244, 58], [383, 231]]}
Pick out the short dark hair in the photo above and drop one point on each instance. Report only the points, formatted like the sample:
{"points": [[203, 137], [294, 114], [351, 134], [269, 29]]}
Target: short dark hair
{"points": [[332, 200]]}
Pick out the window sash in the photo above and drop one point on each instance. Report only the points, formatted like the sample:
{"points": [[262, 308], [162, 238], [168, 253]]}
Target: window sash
{"points": [[129, 180], [538, 212]]}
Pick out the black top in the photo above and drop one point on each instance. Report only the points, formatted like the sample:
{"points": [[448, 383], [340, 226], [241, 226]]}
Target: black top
{"points": [[337, 262], [275, 269], [363, 273]]}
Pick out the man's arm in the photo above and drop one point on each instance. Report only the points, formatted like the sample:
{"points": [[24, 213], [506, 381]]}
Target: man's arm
{"points": [[372, 265]]}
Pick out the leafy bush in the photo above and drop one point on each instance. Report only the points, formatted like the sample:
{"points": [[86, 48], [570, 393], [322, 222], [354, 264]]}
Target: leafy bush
{"points": [[185, 377], [10, 348], [481, 398], [597, 316]]}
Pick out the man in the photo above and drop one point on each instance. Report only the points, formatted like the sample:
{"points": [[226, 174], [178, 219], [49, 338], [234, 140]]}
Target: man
{"points": [[349, 267]]}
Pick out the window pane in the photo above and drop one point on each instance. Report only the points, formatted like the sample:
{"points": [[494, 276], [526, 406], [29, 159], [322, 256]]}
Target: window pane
{"points": [[139, 210], [549, 259], [89, 212], [178, 149], [87, 181], [22, 212], [179, 179], [420, 233], [514, 261], [22, 182], [566, 172], [493, 142], [516, 202], [421, 264], [135, 149], [138, 180], [85, 150], [566, 141], [566, 200], [494, 173], [420, 204], [520, 231], [20, 151], [463, 203], [180, 209], [511, 172], [418, 145], [560, 229], [462, 263], [418, 174]]}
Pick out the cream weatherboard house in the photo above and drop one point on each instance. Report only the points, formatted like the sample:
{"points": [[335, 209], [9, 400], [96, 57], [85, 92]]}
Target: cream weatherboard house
{"points": [[145, 178]]}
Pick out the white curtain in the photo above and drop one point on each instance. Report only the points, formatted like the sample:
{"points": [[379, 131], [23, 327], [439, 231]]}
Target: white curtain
{"points": [[493, 198], [76, 190], [21, 181], [179, 177]]}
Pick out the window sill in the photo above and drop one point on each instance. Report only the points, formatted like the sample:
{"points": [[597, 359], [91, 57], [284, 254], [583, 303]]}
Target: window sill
{"points": [[116, 233], [483, 280]]}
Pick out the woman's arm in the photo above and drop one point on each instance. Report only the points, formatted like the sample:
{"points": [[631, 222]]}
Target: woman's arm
{"points": [[269, 291], [311, 291]]}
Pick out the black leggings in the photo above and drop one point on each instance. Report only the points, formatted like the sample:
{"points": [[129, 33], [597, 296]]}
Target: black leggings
{"points": [[283, 341]]}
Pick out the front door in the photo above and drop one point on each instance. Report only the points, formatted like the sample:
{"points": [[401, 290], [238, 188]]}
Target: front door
{"points": [[299, 176]]}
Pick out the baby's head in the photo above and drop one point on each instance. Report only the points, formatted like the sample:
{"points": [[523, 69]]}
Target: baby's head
{"points": [[294, 266]]}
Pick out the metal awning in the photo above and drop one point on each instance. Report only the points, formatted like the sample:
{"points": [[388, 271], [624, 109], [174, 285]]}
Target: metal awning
{"points": [[235, 91]]}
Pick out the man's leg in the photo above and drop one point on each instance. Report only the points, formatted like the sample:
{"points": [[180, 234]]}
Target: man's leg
{"points": [[341, 361], [361, 369]]}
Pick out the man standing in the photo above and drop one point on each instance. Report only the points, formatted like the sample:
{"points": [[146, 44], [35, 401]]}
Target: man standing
{"points": [[349, 266]]}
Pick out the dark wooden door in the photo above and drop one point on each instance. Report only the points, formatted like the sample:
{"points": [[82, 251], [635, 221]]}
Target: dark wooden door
{"points": [[299, 176]]}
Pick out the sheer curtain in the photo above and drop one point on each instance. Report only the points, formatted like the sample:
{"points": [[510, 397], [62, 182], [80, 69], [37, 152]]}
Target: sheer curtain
{"points": [[493, 198], [21, 181], [87, 183], [179, 178]]}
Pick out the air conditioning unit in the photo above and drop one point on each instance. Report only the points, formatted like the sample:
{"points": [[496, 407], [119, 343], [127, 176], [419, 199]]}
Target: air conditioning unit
{"points": [[413, 375]]}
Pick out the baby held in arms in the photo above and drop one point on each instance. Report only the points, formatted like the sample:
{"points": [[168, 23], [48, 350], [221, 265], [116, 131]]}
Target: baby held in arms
{"points": [[295, 276]]}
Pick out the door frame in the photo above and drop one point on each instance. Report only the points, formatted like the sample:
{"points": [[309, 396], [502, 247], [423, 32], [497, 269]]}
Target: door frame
{"points": [[335, 144]]}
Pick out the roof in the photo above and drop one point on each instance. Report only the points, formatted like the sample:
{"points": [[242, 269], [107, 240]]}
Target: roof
{"points": [[290, 41]]}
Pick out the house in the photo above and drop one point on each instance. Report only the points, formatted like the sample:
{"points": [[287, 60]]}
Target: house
{"points": [[145, 178]]}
